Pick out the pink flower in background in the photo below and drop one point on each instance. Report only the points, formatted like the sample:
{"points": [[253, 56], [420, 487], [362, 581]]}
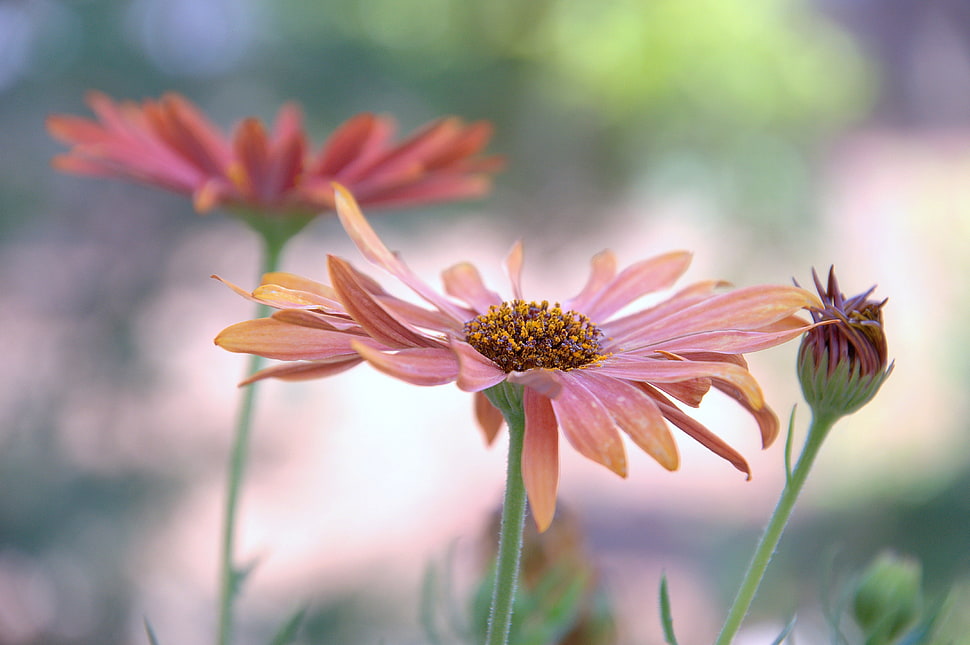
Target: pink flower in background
{"points": [[170, 143], [587, 370]]}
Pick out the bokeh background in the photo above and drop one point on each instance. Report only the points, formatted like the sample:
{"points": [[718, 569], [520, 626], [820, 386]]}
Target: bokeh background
{"points": [[767, 136]]}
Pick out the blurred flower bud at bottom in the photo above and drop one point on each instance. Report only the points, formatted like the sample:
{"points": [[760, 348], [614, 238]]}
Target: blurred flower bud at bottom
{"points": [[888, 598]]}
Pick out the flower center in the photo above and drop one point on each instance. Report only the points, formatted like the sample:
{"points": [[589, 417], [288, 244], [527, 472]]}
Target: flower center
{"points": [[520, 336]]}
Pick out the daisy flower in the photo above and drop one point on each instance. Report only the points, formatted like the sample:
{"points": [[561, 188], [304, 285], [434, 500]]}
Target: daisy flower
{"points": [[587, 369], [171, 144]]}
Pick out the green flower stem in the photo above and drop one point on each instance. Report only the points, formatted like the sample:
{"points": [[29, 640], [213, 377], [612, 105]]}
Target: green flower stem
{"points": [[508, 399], [819, 429], [230, 576]]}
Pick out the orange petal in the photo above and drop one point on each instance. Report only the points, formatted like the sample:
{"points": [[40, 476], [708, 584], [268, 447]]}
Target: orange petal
{"points": [[374, 250], [636, 414], [540, 457], [416, 366], [602, 271], [275, 339], [588, 425], [489, 417], [669, 371], [635, 281], [475, 372], [305, 370], [513, 268], [368, 313], [463, 281]]}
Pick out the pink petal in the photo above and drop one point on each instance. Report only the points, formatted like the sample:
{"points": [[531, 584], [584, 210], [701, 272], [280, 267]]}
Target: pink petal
{"points": [[305, 370], [543, 381], [475, 372], [726, 341], [353, 146], [298, 283], [513, 268], [274, 339], [602, 271], [540, 457], [489, 417], [416, 366], [368, 313], [705, 437], [636, 414], [307, 318], [672, 371], [749, 308], [629, 326], [374, 250], [588, 426], [463, 281], [635, 281]]}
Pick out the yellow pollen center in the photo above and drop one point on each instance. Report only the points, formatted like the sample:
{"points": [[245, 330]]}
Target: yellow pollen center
{"points": [[519, 336]]}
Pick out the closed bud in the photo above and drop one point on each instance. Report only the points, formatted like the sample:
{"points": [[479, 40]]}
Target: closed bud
{"points": [[842, 362], [888, 598]]}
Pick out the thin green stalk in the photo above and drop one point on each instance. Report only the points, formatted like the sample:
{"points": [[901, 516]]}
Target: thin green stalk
{"points": [[230, 576], [513, 518], [776, 525]]}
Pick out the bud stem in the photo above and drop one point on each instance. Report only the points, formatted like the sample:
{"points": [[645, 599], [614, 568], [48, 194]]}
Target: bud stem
{"points": [[819, 429]]}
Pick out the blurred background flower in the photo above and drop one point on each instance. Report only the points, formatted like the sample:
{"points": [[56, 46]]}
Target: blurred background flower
{"points": [[768, 136]]}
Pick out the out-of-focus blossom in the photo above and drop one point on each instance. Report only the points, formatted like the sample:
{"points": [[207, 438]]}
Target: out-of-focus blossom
{"points": [[170, 143], [842, 361], [584, 368]]}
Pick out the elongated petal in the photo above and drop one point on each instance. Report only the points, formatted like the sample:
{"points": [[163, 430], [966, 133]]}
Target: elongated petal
{"points": [[274, 339], [297, 283], [588, 425], [416, 366], [540, 457], [635, 281], [749, 308], [764, 416], [636, 414], [705, 437], [306, 370], [618, 331], [307, 318], [374, 250], [601, 273], [513, 268], [489, 417], [670, 371], [283, 298], [463, 281], [475, 372], [728, 341], [368, 313]]}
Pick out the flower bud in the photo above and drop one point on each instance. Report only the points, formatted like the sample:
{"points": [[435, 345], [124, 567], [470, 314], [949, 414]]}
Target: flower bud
{"points": [[888, 598], [842, 361]]}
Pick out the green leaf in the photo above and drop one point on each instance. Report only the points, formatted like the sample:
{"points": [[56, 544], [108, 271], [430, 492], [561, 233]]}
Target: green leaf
{"points": [[152, 639], [785, 632], [788, 442], [287, 632], [665, 618]]}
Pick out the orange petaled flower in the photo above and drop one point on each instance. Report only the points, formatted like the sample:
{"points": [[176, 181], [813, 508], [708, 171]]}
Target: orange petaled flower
{"points": [[586, 369], [171, 144]]}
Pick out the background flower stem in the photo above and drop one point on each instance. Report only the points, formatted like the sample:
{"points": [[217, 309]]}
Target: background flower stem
{"points": [[231, 576], [819, 429], [508, 399]]}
